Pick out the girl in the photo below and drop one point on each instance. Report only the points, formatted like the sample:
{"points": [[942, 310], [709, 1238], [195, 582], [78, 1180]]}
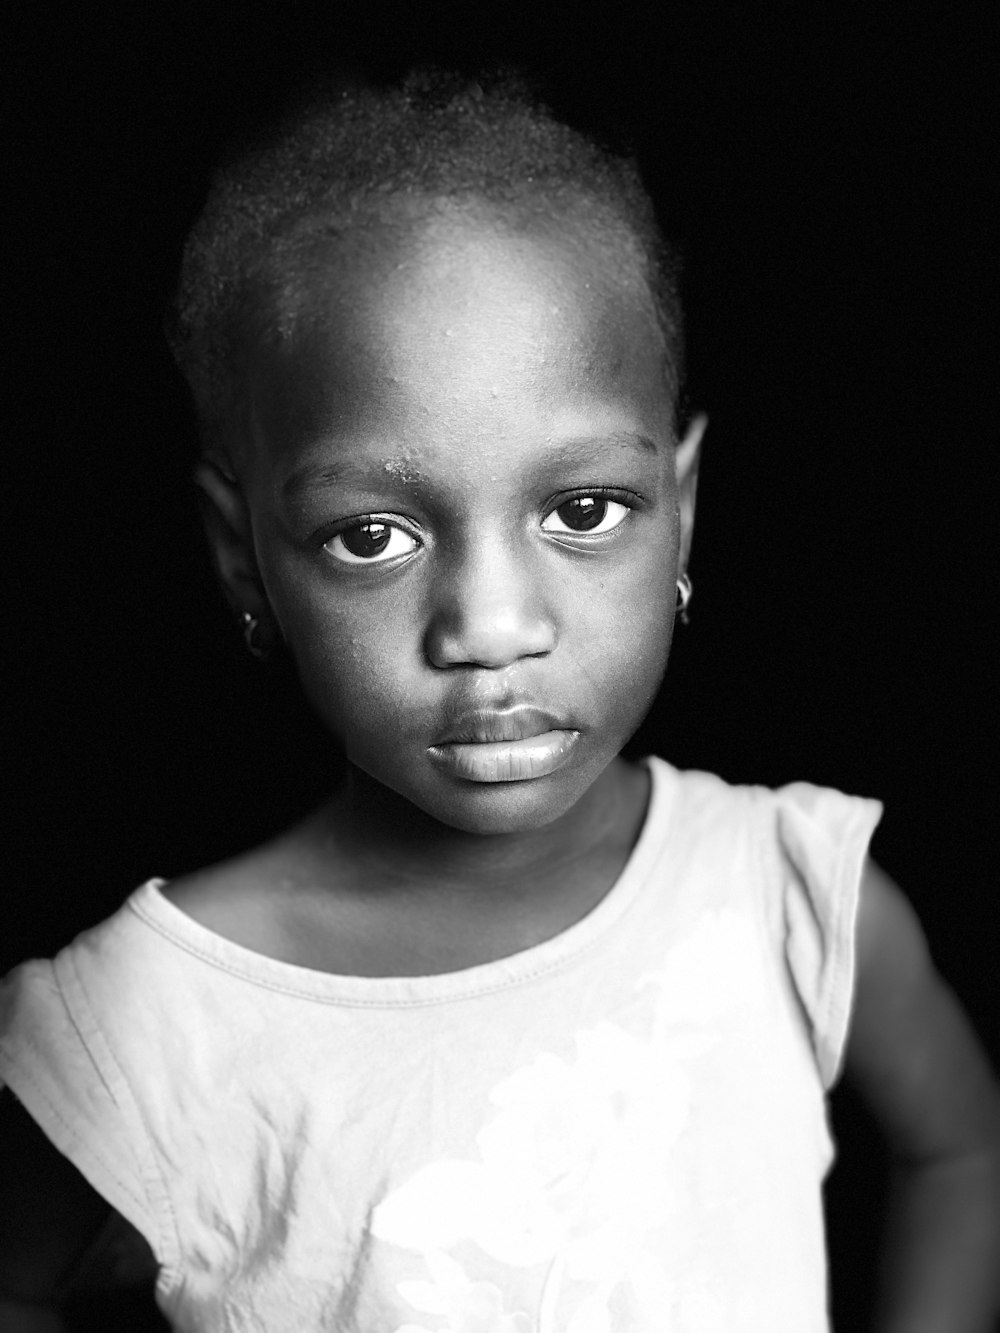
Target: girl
{"points": [[510, 1034]]}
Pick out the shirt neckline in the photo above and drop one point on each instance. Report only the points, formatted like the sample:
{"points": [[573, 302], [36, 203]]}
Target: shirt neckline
{"points": [[257, 969]]}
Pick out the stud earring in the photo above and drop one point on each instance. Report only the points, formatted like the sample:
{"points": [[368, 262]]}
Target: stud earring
{"points": [[250, 627], [684, 591]]}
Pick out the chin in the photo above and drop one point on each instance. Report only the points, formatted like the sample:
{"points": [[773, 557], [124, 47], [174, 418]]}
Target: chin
{"points": [[502, 814], [504, 808]]}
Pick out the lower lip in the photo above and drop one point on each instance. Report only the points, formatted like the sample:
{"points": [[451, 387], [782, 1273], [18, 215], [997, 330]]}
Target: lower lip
{"points": [[506, 761]]}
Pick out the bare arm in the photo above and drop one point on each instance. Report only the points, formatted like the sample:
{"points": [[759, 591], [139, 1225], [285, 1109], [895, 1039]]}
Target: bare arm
{"points": [[914, 1058], [18, 1318], [58, 1238]]}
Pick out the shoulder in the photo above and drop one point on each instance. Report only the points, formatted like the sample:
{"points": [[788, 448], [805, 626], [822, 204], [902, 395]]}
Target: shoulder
{"points": [[260, 899], [699, 787], [242, 884], [234, 899], [702, 805], [821, 832]]}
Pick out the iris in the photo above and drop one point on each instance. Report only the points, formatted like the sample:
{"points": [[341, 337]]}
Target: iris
{"points": [[583, 513], [367, 539]]}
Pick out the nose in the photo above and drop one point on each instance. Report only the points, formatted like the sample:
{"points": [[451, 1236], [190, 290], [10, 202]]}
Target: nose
{"points": [[488, 611]]}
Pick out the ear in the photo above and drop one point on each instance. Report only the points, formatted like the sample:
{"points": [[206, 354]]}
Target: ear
{"points": [[226, 517], [686, 459]]}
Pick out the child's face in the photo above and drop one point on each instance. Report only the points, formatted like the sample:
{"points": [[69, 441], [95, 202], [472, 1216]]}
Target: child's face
{"points": [[463, 495]]}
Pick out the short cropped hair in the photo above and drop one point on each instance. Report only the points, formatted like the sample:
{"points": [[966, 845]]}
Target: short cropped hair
{"points": [[341, 158]]}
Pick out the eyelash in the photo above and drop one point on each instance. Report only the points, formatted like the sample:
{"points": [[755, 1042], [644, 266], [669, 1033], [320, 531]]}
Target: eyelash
{"points": [[605, 497], [369, 521], [628, 501]]}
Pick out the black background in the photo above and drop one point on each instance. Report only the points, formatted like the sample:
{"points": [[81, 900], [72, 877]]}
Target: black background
{"points": [[827, 168]]}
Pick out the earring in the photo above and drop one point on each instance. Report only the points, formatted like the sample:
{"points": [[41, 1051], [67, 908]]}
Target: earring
{"points": [[250, 627], [684, 591]]}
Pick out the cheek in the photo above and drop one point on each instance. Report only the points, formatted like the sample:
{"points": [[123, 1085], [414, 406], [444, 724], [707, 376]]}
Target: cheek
{"points": [[615, 638], [353, 673], [641, 613], [361, 664], [640, 637], [352, 657]]}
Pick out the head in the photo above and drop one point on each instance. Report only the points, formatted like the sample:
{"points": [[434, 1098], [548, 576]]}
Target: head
{"points": [[435, 345]]}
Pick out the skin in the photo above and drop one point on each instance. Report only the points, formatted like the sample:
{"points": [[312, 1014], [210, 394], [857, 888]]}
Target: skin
{"points": [[458, 365], [452, 366], [462, 377], [468, 374], [914, 1057]]}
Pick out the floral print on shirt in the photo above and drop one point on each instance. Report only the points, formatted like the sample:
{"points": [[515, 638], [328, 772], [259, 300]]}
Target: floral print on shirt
{"points": [[571, 1168]]}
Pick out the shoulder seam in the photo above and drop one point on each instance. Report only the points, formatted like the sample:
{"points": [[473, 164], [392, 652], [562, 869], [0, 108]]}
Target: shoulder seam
{"points": [[167, 1232]]}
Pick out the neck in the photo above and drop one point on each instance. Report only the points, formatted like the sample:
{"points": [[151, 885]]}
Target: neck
{"points": [[405, 852]]}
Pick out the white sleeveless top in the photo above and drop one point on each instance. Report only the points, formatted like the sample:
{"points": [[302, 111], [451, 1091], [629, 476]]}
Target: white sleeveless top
{"points": [[620, 1130]]}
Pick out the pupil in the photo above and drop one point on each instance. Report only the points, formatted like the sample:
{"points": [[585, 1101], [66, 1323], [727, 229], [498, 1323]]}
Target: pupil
{"points": [[583, 513], [367, 539]]}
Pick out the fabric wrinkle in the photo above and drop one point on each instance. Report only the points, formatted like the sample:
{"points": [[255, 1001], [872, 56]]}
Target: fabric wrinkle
{"points": [[623, 1128]]}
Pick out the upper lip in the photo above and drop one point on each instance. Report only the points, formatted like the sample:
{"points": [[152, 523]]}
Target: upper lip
{"points": [[485, 725]]}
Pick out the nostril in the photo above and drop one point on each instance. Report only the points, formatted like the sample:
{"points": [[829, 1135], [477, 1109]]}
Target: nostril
{"points": [[493, 638]]}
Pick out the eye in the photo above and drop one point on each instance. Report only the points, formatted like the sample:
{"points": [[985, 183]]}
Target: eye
{"points": [[586, 515], [370, 542]]}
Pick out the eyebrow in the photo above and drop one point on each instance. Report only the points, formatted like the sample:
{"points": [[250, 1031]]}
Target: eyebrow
{"points": [[585, 446], [383, 473], [400, 469]]}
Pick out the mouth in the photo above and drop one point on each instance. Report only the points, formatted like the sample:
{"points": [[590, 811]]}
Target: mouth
{"points": [[505, 745], [484, 726]]}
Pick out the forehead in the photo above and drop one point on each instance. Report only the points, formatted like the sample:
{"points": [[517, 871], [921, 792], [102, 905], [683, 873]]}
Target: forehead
{"points": [[457, 323]]}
